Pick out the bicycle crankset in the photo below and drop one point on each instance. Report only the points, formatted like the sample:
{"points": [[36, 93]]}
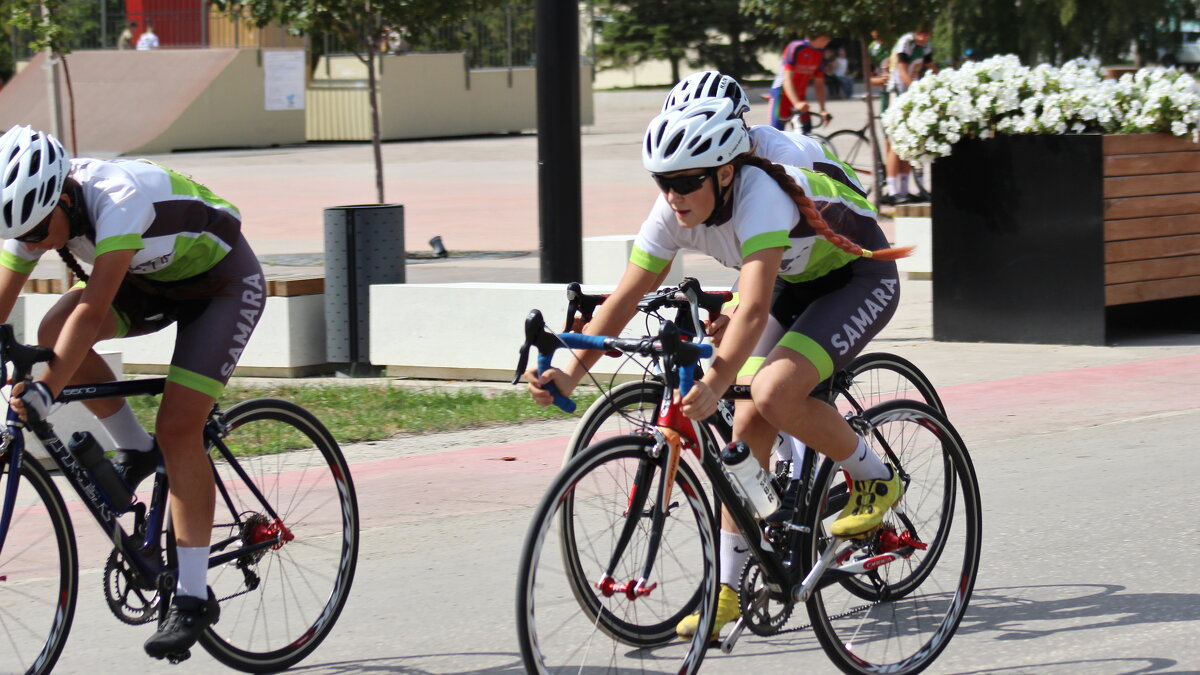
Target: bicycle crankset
{"points": [[130, 600], [763, 615]]}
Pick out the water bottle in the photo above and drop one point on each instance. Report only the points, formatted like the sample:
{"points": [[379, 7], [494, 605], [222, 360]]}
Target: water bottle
{"points": [[749, 478], [89, 453]]}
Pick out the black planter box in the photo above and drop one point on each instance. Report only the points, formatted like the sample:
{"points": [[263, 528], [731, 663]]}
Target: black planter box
{"points": [[1036, 239]]}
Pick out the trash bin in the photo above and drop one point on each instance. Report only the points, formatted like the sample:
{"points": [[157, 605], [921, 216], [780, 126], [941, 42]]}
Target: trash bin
{"points": [[364, 245]]}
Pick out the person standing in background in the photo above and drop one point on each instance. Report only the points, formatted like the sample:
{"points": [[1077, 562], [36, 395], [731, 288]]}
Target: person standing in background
{"points": [[147, 40], [125, 39]]}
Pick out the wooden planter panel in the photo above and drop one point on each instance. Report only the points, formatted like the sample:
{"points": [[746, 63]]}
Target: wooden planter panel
{"points": [[1151, 218]]}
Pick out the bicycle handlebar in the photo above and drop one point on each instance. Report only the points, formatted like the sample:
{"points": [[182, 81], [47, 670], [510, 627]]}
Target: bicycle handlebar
{"points": [[687, 293], [679, 356], [21, 356]]}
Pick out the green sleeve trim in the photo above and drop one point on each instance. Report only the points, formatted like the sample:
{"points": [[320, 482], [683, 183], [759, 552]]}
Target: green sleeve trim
{"points": [[186, 187], [761, 242], [811, 350], [120, 242], [195, 381], [648, 262], [751, 366], [16, 263]]}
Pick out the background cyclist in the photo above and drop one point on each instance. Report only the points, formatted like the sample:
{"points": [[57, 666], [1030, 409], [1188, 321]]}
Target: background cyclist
{"points": [[803, 61], [163, 249], [811, 298], [912, 57]]}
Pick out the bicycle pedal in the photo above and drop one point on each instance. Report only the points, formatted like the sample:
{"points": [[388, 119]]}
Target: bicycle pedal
{"points": [[176, 659]]}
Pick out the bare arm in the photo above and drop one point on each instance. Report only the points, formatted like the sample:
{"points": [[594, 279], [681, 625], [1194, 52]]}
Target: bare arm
{"points": [[756, 284], [789, 89], [819, 88], [610, 318], [82, 327]]}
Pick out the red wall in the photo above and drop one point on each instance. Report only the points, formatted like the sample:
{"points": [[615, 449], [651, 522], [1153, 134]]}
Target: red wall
{"points": [[176, 22]]}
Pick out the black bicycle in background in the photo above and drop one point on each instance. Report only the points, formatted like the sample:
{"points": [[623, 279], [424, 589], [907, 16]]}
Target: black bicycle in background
{"points": [[284, 544]]}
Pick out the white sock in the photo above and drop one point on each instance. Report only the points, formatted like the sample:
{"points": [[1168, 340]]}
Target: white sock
{"points": [[126, 432], [864, 464], [193, 571], [891, 185], [734, 554], [902, 184]]}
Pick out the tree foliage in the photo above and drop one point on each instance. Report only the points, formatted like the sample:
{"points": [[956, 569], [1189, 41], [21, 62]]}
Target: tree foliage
{"points": [[718, 32]]}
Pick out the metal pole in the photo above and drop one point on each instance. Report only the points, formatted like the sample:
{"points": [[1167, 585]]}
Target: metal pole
{"points": [[560, 199], [103, 24], [52, 96]]}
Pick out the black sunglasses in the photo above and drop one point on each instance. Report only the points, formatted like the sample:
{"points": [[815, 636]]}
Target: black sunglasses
{"points": [[682, 185], [40, 232]]}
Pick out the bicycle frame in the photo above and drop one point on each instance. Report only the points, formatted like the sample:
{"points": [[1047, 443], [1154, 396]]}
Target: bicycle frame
{"points": [[143, 553]]}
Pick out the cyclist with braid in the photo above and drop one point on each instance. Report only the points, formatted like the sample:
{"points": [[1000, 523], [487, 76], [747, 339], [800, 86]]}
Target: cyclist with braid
{"points": [[817, 282], [163, 249]]}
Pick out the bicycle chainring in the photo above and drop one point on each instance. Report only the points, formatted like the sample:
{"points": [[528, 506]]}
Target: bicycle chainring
{"points": [[128, 599], [763, 615]]}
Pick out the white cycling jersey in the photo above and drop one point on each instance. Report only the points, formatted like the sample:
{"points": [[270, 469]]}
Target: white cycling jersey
{"points": [[178, 227], [794, 149], [763, 216]]}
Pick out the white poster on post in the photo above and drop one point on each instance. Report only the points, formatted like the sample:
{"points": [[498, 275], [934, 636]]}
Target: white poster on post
{"points": [[283, 79]]}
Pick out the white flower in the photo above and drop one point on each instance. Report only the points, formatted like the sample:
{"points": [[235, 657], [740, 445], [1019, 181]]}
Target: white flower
{"points": [[999, 95]]}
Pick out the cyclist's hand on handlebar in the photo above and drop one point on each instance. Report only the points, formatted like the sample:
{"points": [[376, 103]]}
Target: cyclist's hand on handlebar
{"points": [[700, 402], [715, 328], [538, 382], [36, 397]]}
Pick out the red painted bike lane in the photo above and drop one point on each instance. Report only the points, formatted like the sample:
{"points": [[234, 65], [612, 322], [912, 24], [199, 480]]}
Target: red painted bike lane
{"points": [[482, 479]]}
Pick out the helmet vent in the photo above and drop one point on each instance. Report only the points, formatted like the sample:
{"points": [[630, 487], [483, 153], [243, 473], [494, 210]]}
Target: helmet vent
{"points": [[703, 147], [27, 205], [51, 191], [673, 144]]}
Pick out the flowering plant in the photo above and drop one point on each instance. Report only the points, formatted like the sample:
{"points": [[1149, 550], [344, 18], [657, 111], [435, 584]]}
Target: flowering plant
{"points": [[1001, 96]]}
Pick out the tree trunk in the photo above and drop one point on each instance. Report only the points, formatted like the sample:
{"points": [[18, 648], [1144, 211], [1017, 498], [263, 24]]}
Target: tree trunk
{"points": [[373, 92]]}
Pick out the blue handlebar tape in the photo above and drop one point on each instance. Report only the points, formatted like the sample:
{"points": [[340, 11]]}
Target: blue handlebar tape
{"points": [[565, 404], [581, 341], [687, 377]]}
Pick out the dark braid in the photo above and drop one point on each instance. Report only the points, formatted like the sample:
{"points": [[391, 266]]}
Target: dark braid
{"points": [[810, 212], [73, 264]]}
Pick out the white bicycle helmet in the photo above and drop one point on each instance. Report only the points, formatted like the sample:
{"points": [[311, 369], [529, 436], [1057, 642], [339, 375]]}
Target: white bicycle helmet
{"points": [[708, 84], [704, 133], [35, 166]]}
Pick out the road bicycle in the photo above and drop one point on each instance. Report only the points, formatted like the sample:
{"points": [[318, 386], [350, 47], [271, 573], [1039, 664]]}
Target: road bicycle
{"points": [[284, 545], [854, 148], [623, 544], [868, 380]]}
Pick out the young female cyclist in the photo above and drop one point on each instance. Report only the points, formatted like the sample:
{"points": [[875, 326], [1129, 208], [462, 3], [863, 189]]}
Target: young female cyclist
{"points": [[811, 298], [781, 147], [163, 250]]}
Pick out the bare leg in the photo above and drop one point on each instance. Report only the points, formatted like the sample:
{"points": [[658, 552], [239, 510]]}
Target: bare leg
{"points": [[180, 433]]}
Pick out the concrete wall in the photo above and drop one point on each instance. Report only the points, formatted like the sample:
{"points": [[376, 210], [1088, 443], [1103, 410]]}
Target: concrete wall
{"points": [[140, 102], [463, 102]]}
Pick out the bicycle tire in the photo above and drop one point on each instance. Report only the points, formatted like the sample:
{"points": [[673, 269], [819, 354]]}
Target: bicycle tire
{"points": [[39, 598], [625, 409], [853, 148], [304, 581], [871, 385], [570, 544], [918, 600]]}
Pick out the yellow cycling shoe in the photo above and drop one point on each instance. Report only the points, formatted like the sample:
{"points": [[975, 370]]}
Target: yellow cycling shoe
{"points": [[727, 610], [869, 502]]}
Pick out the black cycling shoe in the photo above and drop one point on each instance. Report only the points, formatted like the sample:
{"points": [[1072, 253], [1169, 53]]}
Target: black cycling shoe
{"points": [[186, 620], [135, 466]]}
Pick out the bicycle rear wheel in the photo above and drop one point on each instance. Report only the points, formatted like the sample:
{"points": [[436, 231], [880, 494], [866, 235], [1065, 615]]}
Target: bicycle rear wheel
{"points": [[879, 377], [39, 569], [854, 149], [897, 610], [567, 619], [279, 602]]}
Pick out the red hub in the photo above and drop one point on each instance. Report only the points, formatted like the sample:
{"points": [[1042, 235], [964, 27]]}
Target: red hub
{"points": [[265, 531], [608, 587], [890, 541]]}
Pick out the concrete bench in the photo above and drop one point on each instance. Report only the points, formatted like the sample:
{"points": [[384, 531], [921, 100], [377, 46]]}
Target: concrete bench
{"points": [[468, 331], [288, 342], [914, 227]]}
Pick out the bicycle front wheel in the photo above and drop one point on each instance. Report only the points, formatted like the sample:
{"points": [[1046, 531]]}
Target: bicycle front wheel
{"points": [[579, 602], [892, 601], [39, 565], [626, 409], [854, 149], [280, 478]]}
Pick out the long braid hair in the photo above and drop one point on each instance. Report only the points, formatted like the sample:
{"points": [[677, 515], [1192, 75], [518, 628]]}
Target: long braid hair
{"points": [[810, 212], [73, 264]]}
